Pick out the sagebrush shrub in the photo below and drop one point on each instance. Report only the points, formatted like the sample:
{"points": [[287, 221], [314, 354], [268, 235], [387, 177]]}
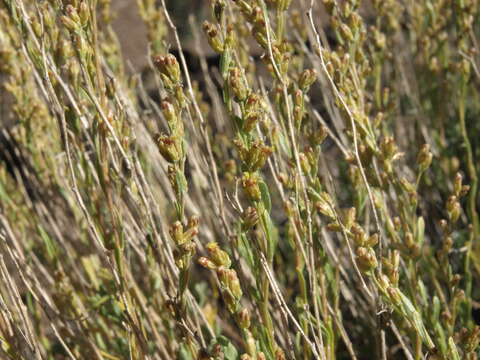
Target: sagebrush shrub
{"points": [[310, 191]]}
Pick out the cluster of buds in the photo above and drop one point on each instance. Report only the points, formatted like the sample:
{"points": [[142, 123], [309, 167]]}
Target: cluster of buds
{"points": [[366, 259], [364, 244], [170, 112], [76, 18], [323, 203], [282, 55], [452, 205], [259, 26], [238, 84], [424, 158], [391, 265], [347, 22], [402, 304], [219, 261], [467, 13], [213, 37], [366, 156], [309, 161], [169, 69], [453, 208], [459, 190], [183, 238], [256, 17], [254, 112], [251, 186], [249, 218], [170, 147], [411, 244], [306, 79], [46, 14], [298, 108], [255, 155], [316, 136], [410, 190], [388, 154]]}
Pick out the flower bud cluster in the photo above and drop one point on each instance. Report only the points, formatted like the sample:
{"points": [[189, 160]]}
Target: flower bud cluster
{"points": [[452, 206], [183, 237], [251, 186], [169, 70], [424, 158], [219, 261], [255, 156], [171, 143], [365, 253]]}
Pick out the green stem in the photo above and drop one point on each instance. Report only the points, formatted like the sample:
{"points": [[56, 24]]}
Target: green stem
{"points": [[472, 172]]}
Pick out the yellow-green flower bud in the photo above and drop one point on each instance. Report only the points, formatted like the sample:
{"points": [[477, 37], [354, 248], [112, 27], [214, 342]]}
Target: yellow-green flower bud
{"points": [[394, 295], [366, 259], [244, 318], [453, 208], [218, 256], [251, 187], [457, 185], [250, 218], [424, 158], [168, 110], [372, 240], [250, 122], [168, 66], [238, 84], [207, 263], [169, 147], [346, 32], [83, 13], [213, 37], [72, 13], [307, 78], [234, 284], [68, 23], [190, 233], [258, 155], [176, 232], [324, 205], [304, 163]]}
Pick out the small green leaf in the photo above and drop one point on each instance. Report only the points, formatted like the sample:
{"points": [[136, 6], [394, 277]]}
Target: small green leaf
{"points": [[181, 182], [265, 196], [420, 231], [229, 350], [225, 61]]}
